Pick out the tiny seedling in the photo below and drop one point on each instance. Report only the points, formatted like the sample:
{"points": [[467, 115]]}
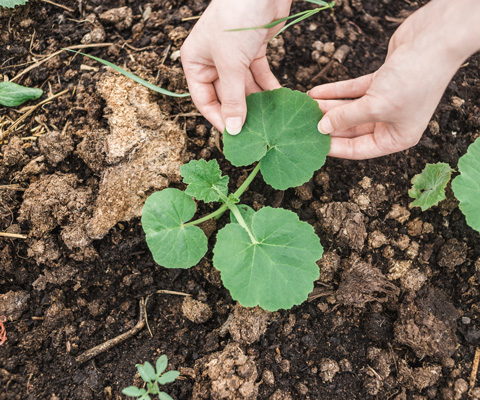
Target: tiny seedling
{"points": [[153, 377], [12, 3], [429, 186], [266, 257], [12, 95]]}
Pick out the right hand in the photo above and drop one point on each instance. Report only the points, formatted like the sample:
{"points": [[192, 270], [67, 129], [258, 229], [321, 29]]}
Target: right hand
{"points": [[223, 67]]}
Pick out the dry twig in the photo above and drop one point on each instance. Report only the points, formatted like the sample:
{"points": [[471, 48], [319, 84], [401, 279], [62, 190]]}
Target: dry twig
{"points": [[473, 375], [95, 351], [58, 5], [13, 235]]}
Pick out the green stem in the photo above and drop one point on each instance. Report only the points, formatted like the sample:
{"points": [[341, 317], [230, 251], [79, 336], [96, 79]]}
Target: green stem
{"points": [[247, 182], [218, 213], [242, 222]]}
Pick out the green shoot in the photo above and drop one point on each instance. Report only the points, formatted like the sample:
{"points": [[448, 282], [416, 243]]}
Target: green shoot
{"points": [[133, 77], [153, 377], [429, 187], [12, 3]]}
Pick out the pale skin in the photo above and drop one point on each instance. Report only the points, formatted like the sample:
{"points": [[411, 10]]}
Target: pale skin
{"points": [[371, 116]]}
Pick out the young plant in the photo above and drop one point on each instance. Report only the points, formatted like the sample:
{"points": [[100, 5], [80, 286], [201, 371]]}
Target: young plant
{"points": [[12, 3], [152, 377], [266, 257], [429, 186], [12, 95], [466, 186]]}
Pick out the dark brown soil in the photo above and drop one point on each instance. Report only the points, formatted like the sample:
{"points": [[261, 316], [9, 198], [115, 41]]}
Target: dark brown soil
{"points": [[395, 313]]}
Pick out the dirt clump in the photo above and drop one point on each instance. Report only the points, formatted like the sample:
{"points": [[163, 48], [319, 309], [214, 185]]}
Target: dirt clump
{"points": [[13, 304], [229, 374], [195, 310], [328, 369], [55, 146], [362, 283], [248, 324], [452, 254], [427, 324]]}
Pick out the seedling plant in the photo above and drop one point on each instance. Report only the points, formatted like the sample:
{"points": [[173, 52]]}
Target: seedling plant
{"points": [[266, 257], [153, 377]]}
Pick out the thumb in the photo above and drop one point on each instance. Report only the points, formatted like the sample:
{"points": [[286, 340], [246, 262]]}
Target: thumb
{"points": [[347, 116], [234, 106]]}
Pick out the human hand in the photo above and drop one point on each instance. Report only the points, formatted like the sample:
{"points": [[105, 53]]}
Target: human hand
{"points": [[392, 107], [223, 67]]}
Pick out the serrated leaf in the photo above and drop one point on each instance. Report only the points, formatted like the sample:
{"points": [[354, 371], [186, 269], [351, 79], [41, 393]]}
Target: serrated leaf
{"points": [[429, 186], [281, 130], [205, 180], [246, 212], [466, 186], [279, 270], [164, 396], [12, 3], [143, 373], [168, 377], [161, 364], [133, 391], [12, 95], [150, 371], [172, 244]]}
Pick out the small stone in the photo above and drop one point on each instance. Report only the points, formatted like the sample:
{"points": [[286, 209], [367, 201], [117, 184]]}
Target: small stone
{"points": [[377, 239], [328, 369], [323, 60], [457, 102], [268, 377], [329, 48], [318, 45], [475, 393], [346, 365], [466, 320], [461, 387]]}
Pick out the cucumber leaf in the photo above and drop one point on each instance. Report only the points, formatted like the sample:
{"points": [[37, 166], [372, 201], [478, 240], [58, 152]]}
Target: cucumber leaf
{"points": [[12, 3], [466, 186], [205, 180], [276, 272], [12, 95], [172, 244], [429, 186], [246, 212], [281, 130]]}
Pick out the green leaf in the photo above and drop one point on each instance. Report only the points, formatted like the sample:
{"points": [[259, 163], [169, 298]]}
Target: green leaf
{"points": [[164, 396], [145, 397], [150, 371], [168, 377], [429, 186], [161, 365], [172, 244], [133, 391], [205, 180], [12, 95], [279, 270], [143, 373], [466, 186], [133, 77], [281, 130], [12, 3], [246, 212]]}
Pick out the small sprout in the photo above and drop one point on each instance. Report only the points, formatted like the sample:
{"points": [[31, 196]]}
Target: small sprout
{"points": [[152, 377], [429, 186], [12, 3], [12, 95]]}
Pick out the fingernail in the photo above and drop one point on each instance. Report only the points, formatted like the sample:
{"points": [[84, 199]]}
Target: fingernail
{"points": [[233, 125], [325, 126]]}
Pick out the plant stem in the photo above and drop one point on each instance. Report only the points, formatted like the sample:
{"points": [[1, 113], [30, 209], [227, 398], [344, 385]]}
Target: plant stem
{"points": [[242, 222], [224, 207]]}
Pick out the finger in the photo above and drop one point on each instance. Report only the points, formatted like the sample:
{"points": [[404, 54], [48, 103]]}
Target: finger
{"points": [[234, 106], [263, 75], [251, 86], [359, 130], [345, 89], [347, 116], [327, 105], [205, 99], [372, 145]]}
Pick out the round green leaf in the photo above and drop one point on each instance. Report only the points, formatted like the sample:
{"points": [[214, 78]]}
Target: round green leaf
{"points": [[205, 180], [172, 244], [133, 391], [281, 130], [279, 270], [429, 186], [466, 186]]}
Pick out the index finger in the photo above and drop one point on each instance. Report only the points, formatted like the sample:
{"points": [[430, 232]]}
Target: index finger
{"points": [[351, 88]]}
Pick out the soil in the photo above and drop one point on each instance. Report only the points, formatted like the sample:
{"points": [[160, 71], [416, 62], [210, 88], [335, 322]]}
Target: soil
{"points": [[395, 311]]}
